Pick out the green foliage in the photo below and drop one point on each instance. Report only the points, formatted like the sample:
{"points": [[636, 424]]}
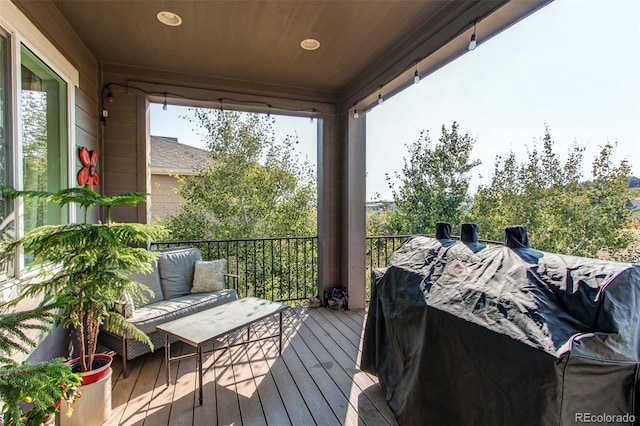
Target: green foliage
{"points": [[34, 153], [378, 222], [270, 268], [87, 265], [253, 188], [434, 182], [42, 384], [561, 212], [14, 327]]}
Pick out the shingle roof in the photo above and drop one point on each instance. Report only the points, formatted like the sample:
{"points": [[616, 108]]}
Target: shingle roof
{"points": [[168, 156]]}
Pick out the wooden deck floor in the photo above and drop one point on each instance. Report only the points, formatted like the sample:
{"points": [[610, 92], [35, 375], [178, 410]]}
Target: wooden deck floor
{"points": [[315, 381]]}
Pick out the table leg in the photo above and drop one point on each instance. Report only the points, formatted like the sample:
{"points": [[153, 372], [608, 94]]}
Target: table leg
{"points": [[280, 335], [167, 350], [200, 371]]}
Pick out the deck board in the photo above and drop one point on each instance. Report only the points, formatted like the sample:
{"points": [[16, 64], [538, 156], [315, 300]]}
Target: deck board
{"points": [[226, 393], [265, 363], [316, 380]]}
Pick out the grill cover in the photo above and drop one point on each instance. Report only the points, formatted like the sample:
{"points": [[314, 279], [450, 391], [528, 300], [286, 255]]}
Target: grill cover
{"points": [[503, 335]]}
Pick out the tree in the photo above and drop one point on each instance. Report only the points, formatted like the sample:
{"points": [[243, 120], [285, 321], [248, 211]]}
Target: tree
{"points": [[562, 213], [42, 385], [86, 266], [254, 187], [34, 154], [434, 182], [377, 222]]}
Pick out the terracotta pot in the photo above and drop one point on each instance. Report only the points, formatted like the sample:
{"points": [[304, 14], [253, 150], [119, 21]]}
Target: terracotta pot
{"points": [[100, 368]]}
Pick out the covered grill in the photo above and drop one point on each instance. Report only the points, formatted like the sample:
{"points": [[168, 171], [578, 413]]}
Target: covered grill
{"points": [[458, 334]]}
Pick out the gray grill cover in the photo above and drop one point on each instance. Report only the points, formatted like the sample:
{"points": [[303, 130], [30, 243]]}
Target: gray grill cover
{"points": [[503, 336]]}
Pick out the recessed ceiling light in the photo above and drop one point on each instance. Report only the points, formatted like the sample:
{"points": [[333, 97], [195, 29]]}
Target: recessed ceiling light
{"points": [[169, 18], [310, 44]]}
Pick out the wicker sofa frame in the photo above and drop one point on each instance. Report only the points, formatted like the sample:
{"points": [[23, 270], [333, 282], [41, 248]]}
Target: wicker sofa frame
{"points": [[129, 348]]}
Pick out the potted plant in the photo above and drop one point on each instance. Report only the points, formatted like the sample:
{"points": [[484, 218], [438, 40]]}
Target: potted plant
{"points": [[87, 266], [31, 393]]}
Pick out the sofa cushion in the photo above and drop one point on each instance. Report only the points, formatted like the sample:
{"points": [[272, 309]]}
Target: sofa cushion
{"points": [[147, 317], [208, 276], [176, 271], [150, 280], [125, 306]]}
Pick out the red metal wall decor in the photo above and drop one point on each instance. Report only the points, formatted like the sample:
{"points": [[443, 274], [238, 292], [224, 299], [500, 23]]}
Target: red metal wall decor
{"points": [[88, 173]]}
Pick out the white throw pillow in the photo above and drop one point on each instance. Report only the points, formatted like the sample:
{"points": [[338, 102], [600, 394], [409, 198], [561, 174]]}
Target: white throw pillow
{"points": [[209, 276]]}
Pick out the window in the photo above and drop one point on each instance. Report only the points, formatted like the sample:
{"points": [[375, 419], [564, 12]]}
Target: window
{"points": [[36, 87], [7, 226], [44, 141]]}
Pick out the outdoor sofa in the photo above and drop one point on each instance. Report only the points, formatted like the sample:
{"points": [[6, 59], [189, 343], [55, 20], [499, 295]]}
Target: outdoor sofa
{"points": [[181, 284]]}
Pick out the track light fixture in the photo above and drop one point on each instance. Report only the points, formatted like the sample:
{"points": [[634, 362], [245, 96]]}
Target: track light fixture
{"points": [[472, 43]]}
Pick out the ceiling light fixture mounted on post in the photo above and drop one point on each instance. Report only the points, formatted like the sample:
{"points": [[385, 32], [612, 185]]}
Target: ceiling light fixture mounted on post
{"points": [[105, 112], [473, 43], [355, 110]]}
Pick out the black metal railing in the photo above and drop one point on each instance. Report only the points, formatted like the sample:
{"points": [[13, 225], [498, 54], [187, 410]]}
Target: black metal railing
{"points": [[285, 269], [378, 254], [380, 248], [281, 269]]}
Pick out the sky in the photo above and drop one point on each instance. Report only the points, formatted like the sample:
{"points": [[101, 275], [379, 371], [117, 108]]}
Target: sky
{"points": [[574, 66]]}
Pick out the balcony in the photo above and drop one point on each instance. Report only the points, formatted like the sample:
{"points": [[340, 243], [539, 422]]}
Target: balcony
{"points": [[316, 379], [247, 57]]}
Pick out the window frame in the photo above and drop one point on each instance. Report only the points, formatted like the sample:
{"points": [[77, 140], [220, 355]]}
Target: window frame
{"points": [[20, 32]]}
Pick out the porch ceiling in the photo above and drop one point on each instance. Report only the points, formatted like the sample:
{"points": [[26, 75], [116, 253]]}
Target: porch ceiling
{"points": [[363, 43]]}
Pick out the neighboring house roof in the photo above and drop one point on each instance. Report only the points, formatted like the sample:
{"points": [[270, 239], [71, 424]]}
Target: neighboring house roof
{"points": [[169, 157], [381, 205]]}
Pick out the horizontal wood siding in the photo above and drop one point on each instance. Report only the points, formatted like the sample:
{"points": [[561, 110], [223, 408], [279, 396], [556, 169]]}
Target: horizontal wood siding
{"points": [[48, 19], [164, 200], [124, 172]]}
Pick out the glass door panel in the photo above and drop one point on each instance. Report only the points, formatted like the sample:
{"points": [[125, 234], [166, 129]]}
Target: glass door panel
{"points": [[43, 107]]}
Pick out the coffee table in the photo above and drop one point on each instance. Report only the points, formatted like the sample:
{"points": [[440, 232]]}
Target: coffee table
{"points": [[202, 327]]}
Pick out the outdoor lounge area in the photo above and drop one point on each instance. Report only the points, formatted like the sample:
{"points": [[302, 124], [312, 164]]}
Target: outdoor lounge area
{"points": [[317, 379], [90, 71]]}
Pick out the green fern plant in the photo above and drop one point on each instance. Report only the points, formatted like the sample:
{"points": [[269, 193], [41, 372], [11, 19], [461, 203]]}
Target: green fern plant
{"points": [[41, 385], [86, 265]]}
